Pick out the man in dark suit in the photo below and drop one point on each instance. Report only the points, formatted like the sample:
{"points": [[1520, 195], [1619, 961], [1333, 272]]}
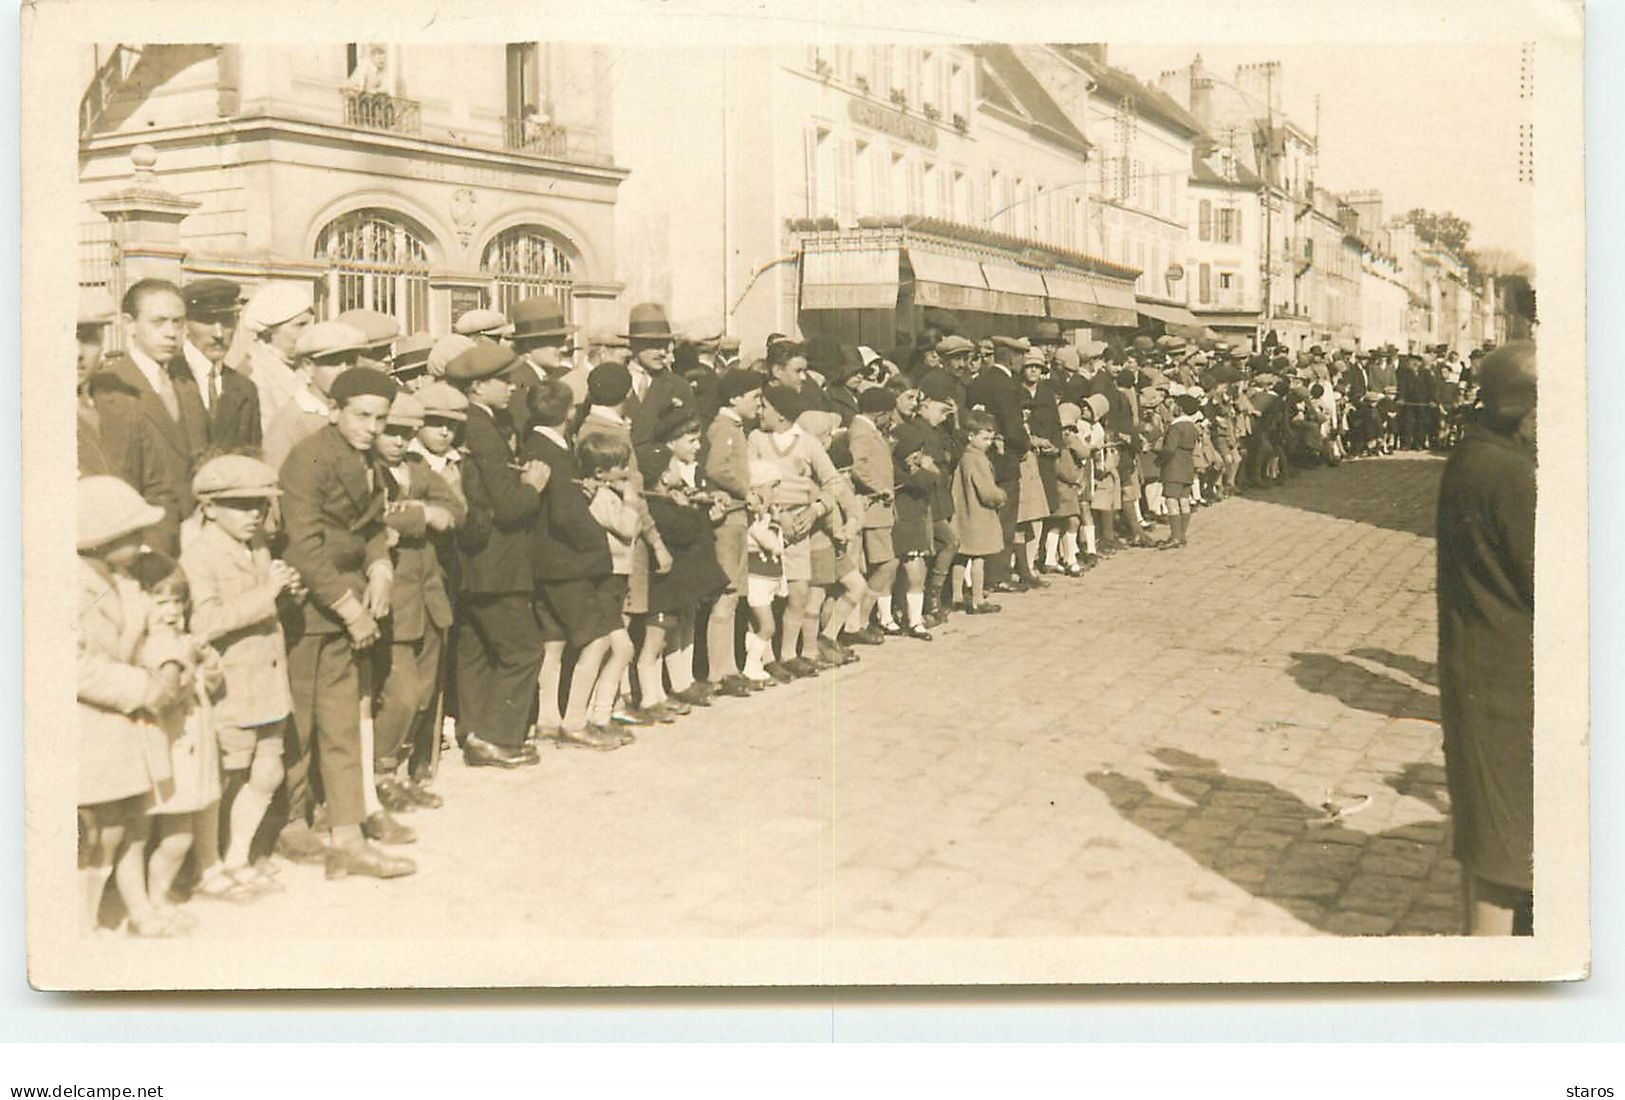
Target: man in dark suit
{"points": [[231, 403], [656, 388], [498, 643], [333, 499], [996, 391], [540, 338], [163, 395]]}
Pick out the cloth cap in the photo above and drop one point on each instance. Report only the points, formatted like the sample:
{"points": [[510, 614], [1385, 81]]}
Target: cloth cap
{"points": [[676, 421], [1070, 414], [406, 411], [1506, 381], [935, 386], [362, 382], [1142, 343], [413, 350], [274, 303], [1151, 396], [1092, 349], [1067, 357], [1187, 404], [954, 345], [737, 383], [235, 476], [211, 296], [728, 345], [1099, 405], [96, 306], [443, 400], [482, 322], [1012, 343], [481, 359], [445, 350], [787, 401], [108, 509], [609, 383], [762, 472], [876, 399], [326, 338], [379, 328]]}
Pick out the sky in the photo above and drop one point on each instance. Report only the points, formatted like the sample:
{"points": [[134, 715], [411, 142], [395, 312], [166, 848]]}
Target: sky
{"points": [[1432, 126]]}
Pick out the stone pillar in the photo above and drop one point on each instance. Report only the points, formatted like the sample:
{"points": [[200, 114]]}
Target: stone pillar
{"points": [[146, 222]]}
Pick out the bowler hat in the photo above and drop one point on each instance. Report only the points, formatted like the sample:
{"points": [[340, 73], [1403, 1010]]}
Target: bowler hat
{"points": [[482, 322], [538, 316], [208, 297], [110, 509], [648, 322]]}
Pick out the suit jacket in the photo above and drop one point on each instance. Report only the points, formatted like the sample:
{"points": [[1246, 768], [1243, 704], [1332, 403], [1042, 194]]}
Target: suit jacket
{"points": [[726, 463], [1001, 395], [166, 477], [667, 390], [334, 523], [234, 422], [526, 386], [418, 597], [234, 608], [873, 473], [499, 501], [842, 401], [566, 542]]}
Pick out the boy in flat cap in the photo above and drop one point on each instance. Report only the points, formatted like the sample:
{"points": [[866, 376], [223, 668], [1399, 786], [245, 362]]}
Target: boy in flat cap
{"points": [[230, 401], [323, 352], [333, 516]]}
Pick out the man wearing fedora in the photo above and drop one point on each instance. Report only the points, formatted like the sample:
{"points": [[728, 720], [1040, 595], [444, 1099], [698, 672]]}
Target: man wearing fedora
{"points": [[997, 391], [540, 337], [656, 388], [230, 402]]}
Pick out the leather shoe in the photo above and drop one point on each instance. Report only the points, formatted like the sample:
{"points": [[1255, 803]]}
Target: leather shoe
{"points": [[1005, 586], [919, 632], [983, 608], [386, 830], [802, 667], [479, 753], [831, 651], [365, 860], [620, 735], [299, 844], [734, 685], [421, 795], [697, 694], [779, 672], [867, 636], [595, 738], [393, 797]]}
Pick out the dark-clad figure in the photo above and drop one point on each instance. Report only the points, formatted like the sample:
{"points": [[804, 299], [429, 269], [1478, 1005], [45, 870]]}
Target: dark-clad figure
{"points": [[1486, 573], [230, 402]]}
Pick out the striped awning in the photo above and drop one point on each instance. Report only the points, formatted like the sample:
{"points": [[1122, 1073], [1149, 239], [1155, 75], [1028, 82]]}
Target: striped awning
{"points": [[950, 282]]}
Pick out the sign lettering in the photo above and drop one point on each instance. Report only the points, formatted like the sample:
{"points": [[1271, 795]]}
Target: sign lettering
{"points": [[868, 113]]}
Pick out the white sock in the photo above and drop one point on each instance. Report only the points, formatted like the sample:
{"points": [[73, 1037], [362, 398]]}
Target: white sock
{"points": [[1089, 534], [959, 587], [1030, 550], [1052, 540], [1069, 548], [754, 648], [916, 608], [883, 609], [680, 668]]}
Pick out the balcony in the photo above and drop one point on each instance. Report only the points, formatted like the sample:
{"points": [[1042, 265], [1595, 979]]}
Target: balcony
{"points": [[542, 139], [389, 114]]}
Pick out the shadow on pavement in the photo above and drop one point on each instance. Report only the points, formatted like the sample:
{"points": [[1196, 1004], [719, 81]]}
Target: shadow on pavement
{"points": [[1423, 782], [1359, 687], [1397, 493], [1425, 671], [1277, 847]]}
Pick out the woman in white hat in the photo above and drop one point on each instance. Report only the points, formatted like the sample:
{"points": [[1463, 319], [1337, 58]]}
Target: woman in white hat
{"points": [[123, 754]]}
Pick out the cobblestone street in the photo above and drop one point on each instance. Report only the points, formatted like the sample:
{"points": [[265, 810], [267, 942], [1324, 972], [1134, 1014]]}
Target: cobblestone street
{"points": [[1146, 750]]}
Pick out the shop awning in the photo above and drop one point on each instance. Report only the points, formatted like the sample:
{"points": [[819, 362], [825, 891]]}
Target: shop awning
{"points": [[851, 278], [950, 282], [1019, 291], [1088, 300], [1178, 320]]}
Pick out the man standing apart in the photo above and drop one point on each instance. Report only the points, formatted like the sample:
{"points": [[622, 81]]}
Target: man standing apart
{"points": [[1486, 594]]}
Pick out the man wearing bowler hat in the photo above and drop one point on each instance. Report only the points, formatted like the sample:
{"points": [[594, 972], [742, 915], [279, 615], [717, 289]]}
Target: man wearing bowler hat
{"points": [[656, 388], [231, 402], [540, 336], [497, 641]]}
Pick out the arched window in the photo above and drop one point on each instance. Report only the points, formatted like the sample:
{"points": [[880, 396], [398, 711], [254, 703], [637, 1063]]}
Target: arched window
{"points": [[525, 261], [376, 260]]}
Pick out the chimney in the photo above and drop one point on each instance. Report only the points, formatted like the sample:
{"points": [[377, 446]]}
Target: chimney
{"points": [[1200, 102]]}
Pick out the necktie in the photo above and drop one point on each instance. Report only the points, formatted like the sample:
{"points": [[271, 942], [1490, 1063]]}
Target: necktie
{"points": [[214, 385], [166, 394]]}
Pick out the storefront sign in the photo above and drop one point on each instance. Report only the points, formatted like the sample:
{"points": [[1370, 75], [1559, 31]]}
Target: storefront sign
{"points": [[871, 114]]}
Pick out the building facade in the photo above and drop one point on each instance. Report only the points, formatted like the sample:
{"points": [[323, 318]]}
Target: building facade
{"points": [[417, 180], [1224, 243]]}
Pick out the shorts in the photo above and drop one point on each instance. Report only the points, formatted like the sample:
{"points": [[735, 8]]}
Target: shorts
{"points": [[821, 561], [797, 559], [1174, 490], [733, 555], [943, 538], [237, 743], [551, 626], [877, 546], [761, 591], [589, 607]]}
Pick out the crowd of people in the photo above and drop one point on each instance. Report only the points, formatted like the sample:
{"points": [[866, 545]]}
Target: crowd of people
{"points": [[314, 555]]}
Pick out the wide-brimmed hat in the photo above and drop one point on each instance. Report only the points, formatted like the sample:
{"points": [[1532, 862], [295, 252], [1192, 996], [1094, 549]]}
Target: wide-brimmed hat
{"points": [[648, 322], [110, 509], [538, 316]]}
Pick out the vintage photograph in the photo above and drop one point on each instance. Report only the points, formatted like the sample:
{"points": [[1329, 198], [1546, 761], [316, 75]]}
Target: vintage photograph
{"points": [[595, 511]]}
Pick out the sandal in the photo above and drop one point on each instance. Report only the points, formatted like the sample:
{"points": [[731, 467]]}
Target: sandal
{"points": [[227, 884]]}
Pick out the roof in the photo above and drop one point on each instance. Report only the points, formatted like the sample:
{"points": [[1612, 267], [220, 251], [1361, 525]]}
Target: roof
{"points": [[1115, 84], [1005, 83], [1204, 174]]}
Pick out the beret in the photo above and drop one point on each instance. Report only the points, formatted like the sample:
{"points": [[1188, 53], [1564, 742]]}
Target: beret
{"points": [[653, 460], [405, 411], [875, 399], [443, 400], [446, 349], [482, 322], [955, 345], [481, 359], [379, 328], [109, 509], [211, 296], [737, 383], [936, 387], [234, 475], [787, 401], [362, 382], [274, 303], [609, 383], [329, 338]]}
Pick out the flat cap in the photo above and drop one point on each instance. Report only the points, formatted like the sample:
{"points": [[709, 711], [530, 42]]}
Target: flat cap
{"points": [[737, 383], [363, 382], [1012, 343], [326, 338], [379, 328], [728, 344], [446, 349], [443, 400], [275, 303], [110, 509], [1070, 414], [235, 476], [954, 345], [481, 359], [211, 296], [1067, 356], [482, 322], [413, 350], [1142, 343], [675, 422], [405, 411], [609, 383], [1506, 382], [97, 307]]}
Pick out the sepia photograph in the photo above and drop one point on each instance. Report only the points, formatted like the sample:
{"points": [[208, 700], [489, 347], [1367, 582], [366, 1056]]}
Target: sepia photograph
{"points": [[808, 503]]}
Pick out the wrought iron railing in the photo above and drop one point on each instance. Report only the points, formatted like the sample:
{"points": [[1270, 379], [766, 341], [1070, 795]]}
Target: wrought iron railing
{"points": [[390, 114], [527, 135]]}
